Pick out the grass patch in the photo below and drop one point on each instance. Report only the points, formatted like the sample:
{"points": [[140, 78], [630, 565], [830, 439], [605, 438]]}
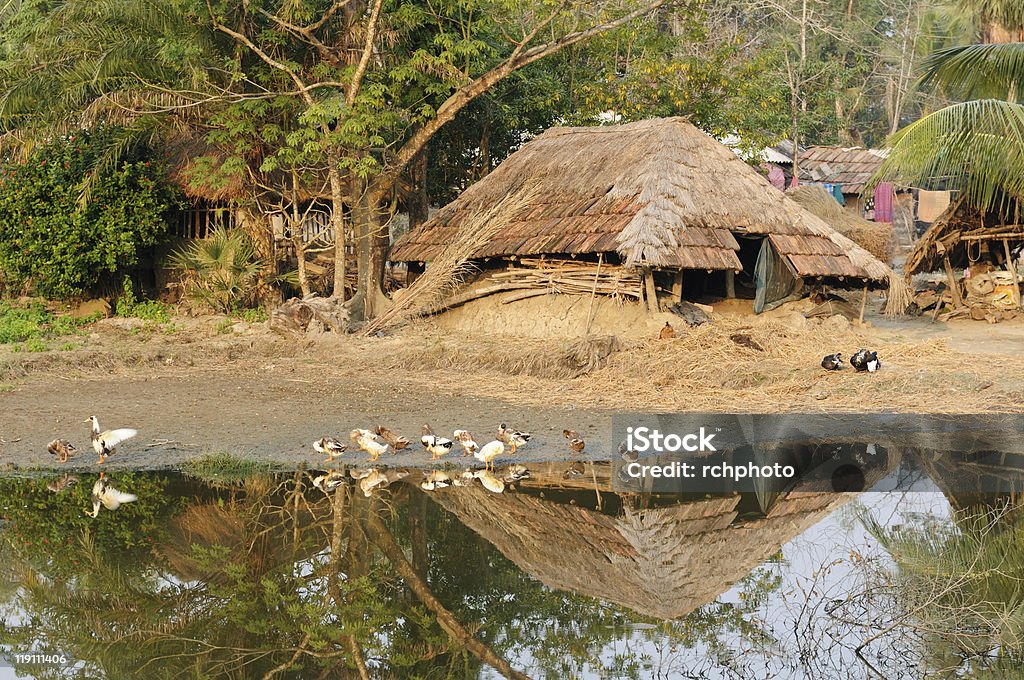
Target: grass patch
{"points": [[32, 324], [225, 468], [129, 306]]}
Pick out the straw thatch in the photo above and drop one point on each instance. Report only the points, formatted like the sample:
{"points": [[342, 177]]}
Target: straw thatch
{"points": [[874, 237], [945, 238], [657, 193]]}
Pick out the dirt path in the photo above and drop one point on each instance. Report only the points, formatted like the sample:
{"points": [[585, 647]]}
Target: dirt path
{"points": [[270, 415]]}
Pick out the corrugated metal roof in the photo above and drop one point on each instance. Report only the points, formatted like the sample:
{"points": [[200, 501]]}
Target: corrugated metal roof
{"points": [[850, 167]]}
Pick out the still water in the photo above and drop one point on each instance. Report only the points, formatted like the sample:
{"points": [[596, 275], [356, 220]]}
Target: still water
{"points": [[557, 576]]}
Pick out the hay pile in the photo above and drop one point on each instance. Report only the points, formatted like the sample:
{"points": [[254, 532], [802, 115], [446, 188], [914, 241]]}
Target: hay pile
{"points": [[875, 237], [715, 367]]}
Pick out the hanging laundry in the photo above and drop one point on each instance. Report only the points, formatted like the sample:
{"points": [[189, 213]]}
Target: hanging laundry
{"points": [[931, 204], [883, 202], [777, 177]]}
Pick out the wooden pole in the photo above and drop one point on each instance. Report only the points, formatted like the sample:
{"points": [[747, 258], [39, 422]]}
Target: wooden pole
{"points": [[1011, 267], [677, 286], [593, 294], [730, 284], [954, 287], [863, 303], [652, 295]]}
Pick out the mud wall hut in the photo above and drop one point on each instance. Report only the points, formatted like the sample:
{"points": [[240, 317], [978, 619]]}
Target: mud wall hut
{"points": [[654, 210]]}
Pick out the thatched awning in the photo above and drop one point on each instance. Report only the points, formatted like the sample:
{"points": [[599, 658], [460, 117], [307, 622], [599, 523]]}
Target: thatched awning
{"points": [[659, 193], [960, 234]]}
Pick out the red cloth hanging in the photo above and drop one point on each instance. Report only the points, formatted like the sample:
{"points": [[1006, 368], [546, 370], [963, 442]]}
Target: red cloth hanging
{"points": [[884, 197]]}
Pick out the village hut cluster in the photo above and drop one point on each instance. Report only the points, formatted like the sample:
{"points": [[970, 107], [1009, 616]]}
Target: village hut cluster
{"points": [[653, 213]]}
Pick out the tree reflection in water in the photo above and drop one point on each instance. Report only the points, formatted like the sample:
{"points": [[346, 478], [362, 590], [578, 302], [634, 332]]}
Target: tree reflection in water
{"points": [[269, 577]]}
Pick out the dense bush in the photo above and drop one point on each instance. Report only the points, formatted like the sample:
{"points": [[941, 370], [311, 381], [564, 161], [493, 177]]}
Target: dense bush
{"points": [[60, 247]]}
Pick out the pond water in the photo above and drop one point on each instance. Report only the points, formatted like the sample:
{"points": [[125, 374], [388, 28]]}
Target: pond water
{"points": [[557, 576]]}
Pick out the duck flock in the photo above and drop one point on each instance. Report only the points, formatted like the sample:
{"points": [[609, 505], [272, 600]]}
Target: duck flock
{"points": [[863, 360], [376, 442]]}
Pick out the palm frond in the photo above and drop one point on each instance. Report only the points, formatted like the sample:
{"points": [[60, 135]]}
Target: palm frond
{"points": [[976, 147], [994, 71]]}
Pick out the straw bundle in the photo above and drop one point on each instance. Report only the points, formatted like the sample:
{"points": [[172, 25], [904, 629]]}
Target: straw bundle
{"points": [[874, 237], [449, 270]]}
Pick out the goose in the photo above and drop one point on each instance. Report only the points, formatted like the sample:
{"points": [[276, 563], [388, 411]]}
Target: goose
{"points": [[396, 441], [330, 446], [104, 443], [576, 443], [833, 362], [62, 449], [330, 481], [62, 484], [512, 438], [438, 446], [435, 479], [107, 496], [490, 482], [367, 441], [464, 438], [865, 360], [489, 452]]}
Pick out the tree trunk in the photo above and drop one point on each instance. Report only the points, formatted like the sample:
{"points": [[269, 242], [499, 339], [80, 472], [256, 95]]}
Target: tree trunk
{"points": [[297, 241], [372, 243], [338, 224], [419, 199]]}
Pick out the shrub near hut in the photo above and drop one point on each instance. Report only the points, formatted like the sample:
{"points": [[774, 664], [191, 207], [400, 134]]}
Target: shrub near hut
{"points": [[52, 244]]}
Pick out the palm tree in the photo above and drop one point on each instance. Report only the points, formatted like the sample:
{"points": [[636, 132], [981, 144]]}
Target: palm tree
{"points": [[977, 144]]}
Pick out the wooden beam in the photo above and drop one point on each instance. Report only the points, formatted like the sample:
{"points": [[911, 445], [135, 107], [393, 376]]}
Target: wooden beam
{"points": [[992, 237], [863, 303], [954, 286], [730, 284], [1011, 267], [652, 294]]}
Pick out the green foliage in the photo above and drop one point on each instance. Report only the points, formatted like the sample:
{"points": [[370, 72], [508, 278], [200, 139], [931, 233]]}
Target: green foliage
{"points": [[149, 310], [221, 271], [32, 323], [60, 248]]}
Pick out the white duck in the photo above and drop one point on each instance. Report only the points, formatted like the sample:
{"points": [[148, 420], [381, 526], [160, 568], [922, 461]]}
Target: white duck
{"points": [[104, 443], [438, 446], [367, 441], [489, 452], [107, 496], [513, 438]]}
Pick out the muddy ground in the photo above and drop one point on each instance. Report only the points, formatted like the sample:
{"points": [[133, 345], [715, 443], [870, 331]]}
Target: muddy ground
{"points": [[193, 388]]}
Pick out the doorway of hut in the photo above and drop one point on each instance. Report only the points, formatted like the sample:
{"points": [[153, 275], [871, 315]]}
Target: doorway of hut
{"points": [[775, 280]]}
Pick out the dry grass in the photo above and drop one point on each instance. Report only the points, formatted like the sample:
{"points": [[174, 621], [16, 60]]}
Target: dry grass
{"points": [[705, 370]]}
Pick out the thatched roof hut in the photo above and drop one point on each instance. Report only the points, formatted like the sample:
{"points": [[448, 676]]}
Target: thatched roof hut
{"points": [[874, 237], [657, 194], [965, 237]]}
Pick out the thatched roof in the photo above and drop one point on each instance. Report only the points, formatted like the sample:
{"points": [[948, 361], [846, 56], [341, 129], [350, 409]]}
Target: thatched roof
{"points": [[658, 193], [660, 562], [874, 237], [850, 167]]}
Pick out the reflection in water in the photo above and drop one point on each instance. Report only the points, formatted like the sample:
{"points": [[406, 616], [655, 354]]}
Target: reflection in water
{"points": [[307, 575]]}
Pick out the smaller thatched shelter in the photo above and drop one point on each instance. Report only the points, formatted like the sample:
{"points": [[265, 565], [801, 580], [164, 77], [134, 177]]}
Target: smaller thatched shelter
{"points": [[874, 237], [656, 197]]}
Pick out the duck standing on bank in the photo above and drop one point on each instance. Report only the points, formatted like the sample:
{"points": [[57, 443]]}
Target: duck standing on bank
{"points": [[512, 438], [367, 441], [104, 443], [329, 446], [833, 362], [438, 446], [464, 438], [488, 452], [576, 443], [865, 360], [62, 449], [396, 441]]}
